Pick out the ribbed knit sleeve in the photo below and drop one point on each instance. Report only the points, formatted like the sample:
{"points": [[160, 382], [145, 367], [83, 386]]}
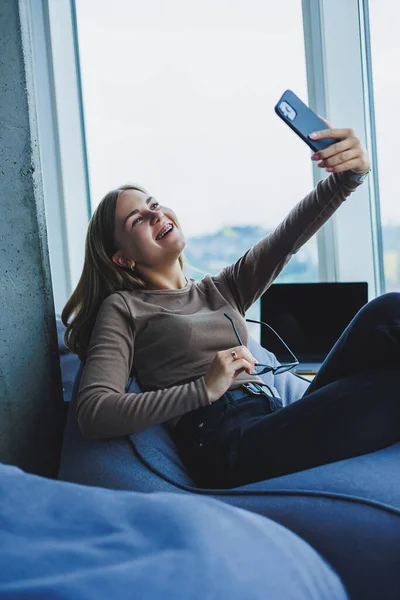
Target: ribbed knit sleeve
{"points": [[250, 276], [104, 409]]}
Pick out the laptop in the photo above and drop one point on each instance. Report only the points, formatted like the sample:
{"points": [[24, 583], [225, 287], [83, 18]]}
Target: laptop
{"points": [[309, 317]]}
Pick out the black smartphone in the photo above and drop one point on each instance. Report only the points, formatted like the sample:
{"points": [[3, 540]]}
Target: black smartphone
{"points": [[302, 120]]}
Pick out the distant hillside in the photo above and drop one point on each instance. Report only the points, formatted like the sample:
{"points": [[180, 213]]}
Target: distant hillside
{"points": [[210, 253], [391, 238]]}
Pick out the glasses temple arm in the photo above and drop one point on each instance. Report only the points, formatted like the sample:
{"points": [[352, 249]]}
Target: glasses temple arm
{"points": [[234, 329], [269, 326]]}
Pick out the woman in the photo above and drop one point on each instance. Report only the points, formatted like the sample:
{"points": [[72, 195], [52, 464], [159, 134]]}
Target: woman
{"points": [[134, 313]]}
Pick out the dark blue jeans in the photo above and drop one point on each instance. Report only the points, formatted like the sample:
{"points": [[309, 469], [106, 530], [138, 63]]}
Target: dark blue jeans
{"points": [[352, 407]]}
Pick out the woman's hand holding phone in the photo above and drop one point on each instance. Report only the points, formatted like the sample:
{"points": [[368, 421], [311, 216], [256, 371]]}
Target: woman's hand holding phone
{"points": [[346, 154]]}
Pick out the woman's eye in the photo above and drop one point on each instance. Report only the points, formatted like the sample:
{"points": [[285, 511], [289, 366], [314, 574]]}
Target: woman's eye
{"points": [[136, 221], [153, 207]]}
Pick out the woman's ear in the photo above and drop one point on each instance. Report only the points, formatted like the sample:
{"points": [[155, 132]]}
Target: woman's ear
{"points": [[122, 262]]}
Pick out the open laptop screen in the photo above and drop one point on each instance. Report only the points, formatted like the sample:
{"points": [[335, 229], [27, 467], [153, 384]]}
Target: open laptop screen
{"points": [[309, 317]]}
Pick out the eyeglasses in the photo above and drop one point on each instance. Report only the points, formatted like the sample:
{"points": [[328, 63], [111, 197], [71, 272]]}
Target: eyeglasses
{"points": [[261, 369]]}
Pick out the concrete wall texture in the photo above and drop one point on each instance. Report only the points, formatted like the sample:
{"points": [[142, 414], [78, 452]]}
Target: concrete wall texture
{"points": [[31, 409]]}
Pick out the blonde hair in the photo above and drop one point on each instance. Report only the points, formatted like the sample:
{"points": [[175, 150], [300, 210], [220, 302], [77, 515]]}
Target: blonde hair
{"points": [[100, 276]]}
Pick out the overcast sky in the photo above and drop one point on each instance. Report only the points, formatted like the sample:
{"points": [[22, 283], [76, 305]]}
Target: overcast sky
{"points": [[179, 97]]}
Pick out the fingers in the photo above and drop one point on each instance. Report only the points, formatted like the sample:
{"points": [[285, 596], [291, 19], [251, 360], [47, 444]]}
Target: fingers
{"points": [[342, 156], [351, 164], [337, 148], [241, 364], [340, 134], [225, 367], [240, 357], [241, 352]]}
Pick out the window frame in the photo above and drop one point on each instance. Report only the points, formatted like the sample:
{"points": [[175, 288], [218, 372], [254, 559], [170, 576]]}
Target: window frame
{"points": [[63, 156], [331, 68]]}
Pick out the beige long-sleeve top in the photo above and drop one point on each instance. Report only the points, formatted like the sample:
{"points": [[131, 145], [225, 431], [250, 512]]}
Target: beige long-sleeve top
{"points": [[168, 338]]}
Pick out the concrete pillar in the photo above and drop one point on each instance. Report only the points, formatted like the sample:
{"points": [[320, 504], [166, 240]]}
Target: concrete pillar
{"points": [[31, 408]]}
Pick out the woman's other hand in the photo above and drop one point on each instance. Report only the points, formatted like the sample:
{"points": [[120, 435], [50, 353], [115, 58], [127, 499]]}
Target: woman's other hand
{"points": [[227, 365], [347, 154]]}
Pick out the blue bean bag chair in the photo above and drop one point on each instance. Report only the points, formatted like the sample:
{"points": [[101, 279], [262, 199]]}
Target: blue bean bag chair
{"points": [[348, 510], [74, 542]]}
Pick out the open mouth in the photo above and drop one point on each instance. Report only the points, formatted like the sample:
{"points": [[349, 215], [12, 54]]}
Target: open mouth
{"points": [[165, 231]]}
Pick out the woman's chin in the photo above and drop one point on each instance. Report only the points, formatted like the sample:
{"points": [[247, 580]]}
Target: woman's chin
{"points": [[176, 243], [173, 250]]}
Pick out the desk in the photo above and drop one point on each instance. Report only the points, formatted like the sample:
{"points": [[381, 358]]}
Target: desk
{"points": [[309, 376]]}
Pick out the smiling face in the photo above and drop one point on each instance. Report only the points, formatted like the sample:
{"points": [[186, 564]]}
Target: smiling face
{"points": [[147, 234]]}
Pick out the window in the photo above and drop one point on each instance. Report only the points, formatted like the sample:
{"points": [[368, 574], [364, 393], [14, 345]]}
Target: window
{"points": [[385, 51]]}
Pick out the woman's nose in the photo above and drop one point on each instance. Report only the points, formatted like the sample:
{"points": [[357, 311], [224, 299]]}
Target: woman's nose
{"points": [[156, 216]]}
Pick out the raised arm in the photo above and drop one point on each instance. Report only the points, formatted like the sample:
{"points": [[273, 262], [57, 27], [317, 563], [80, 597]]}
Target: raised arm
{"points": [[104, 409], [250, 276], [247, 279]]}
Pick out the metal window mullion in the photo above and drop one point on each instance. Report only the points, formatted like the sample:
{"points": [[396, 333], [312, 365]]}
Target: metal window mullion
{"points": [[339, 82], [346, 104], [61, 139], [71, 132], [49, 150], [314, 52], [376, 224]]}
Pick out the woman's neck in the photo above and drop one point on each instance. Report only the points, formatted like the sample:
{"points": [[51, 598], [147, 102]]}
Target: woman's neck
{"points": [[167, 280]]}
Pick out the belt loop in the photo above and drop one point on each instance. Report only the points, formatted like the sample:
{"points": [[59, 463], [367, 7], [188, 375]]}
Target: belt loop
{"points": [[259, 388], [228, 398], [250, 388]]}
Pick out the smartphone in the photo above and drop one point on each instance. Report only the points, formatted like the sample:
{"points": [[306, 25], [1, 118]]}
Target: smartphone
{"points": [[302, 120]]}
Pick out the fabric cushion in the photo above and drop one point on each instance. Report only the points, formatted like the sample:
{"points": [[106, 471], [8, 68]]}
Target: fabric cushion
{"points": [[349, 510], [62, 540], [69, 362]]}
